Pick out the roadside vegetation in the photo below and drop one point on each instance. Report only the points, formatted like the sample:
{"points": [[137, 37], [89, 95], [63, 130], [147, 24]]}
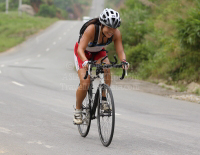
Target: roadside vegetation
{"points": [[162, 40], [14, 28], [62, 9], [114, 4]]}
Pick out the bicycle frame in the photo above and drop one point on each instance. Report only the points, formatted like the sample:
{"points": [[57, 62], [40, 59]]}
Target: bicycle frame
{"points": [[95, 102], [98, 92], [100, 74]]}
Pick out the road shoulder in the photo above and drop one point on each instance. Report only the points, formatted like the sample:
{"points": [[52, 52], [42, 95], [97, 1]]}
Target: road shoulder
{"points": [[152, 88]]}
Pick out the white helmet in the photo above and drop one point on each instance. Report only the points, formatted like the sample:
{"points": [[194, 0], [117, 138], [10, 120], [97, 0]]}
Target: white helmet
{"points": [[110, 18]]}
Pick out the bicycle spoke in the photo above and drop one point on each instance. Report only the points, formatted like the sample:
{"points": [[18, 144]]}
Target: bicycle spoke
{"points": [[106, 118], [106, 124], [85, 126]]}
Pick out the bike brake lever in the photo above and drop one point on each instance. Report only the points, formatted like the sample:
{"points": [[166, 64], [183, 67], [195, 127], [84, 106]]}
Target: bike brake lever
{"points": [[123, 74], [86, 75], [88, 71]]}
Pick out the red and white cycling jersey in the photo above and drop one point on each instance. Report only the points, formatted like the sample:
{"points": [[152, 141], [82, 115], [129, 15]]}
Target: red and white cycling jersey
{"points": [[96, 50], [78, 62]]}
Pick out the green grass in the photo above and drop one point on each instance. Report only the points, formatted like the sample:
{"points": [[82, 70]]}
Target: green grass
{"points": [[183, 88], [130, 75], [197, 91], [14, 29]]}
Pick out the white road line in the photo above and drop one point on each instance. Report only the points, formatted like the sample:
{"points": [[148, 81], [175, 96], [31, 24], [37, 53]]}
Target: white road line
{"points": [[19, 84], [28, 59], [117, 114], [38, 55], [54, 43], [1, 102], [2, 65], [0, 72], [47, 49], [16, 63], [60, 38], [4, 130], [48, 146]]}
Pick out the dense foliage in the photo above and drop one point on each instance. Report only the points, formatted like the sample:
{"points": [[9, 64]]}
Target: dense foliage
{"points": [[189, 30], [52, 8], [162, 38], [47, 10]]}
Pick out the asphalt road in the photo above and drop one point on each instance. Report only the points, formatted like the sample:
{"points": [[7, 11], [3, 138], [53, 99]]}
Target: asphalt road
{"points": [[37, 93]]}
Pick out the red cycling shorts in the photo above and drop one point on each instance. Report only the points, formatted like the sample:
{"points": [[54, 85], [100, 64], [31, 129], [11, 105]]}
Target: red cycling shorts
{"points": [[89, 55]]}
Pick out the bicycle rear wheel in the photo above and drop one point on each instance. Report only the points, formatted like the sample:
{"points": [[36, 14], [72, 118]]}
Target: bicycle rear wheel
{"points": [[106, 119], [86, 110]]}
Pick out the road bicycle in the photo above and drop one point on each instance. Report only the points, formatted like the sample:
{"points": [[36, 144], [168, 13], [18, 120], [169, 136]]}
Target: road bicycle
{"points": [[92, 106]]}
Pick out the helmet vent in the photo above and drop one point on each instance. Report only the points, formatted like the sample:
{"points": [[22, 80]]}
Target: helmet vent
{"points": [[107, 13], [113, 19], [110, 18]]}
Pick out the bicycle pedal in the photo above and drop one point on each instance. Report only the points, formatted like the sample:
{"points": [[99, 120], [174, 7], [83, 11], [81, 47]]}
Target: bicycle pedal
{"points": [[107, 111]]}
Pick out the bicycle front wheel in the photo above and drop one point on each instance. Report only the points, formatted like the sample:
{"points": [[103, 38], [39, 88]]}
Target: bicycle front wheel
{"points": [[86, 110], [106, 118]]}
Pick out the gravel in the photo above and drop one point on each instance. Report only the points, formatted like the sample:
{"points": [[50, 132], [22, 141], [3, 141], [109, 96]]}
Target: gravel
{"points": [[156, 89], [191, 98]]}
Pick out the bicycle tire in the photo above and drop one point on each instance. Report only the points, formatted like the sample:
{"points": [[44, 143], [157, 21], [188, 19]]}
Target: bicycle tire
{"points": [[106, 133], [86, 116]]}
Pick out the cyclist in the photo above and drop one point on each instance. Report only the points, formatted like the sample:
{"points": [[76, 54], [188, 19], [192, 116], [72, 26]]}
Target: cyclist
{"points": [[108, 23]]}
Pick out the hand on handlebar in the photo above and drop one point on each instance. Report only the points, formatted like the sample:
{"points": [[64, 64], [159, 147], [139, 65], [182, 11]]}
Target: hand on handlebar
{"points": [[125, 64], [85, 65]]}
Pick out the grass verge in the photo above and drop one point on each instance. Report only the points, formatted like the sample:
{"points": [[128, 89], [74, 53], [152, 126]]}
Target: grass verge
{"points": [[14, 28]]}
